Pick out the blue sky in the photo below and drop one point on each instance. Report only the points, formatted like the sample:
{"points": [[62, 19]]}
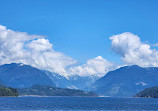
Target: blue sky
{"points": [[81, 28]]}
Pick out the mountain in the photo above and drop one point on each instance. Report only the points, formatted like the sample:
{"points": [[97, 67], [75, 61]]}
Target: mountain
{"points": [[148, 93], [18, 75], [22, 76], [40, 90], [126, 81], [72, 82]]}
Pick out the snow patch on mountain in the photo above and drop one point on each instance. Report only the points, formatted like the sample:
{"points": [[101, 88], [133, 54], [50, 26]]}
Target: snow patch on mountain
{"points": [[141, 83]]}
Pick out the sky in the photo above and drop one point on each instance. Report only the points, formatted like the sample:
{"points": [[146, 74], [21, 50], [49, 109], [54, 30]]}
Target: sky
{"points": [[86, 36]]}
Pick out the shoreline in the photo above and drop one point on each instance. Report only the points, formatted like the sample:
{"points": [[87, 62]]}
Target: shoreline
{"points": [[52, 96]]}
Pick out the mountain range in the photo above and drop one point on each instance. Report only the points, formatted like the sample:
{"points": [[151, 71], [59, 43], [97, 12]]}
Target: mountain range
{"points": [[123, 82], [18, 75]]}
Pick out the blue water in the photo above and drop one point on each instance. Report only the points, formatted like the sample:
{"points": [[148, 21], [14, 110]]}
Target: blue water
{"points": [[77, 104]]}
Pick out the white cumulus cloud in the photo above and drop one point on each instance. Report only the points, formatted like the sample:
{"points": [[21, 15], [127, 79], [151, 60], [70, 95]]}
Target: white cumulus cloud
{"points": [[133, 51], [34, 50], [40, 45], [97, 66], [37, 51]]}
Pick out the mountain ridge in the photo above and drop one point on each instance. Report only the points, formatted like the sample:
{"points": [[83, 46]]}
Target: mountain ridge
{"points": [[18, 75], [126, 81]]}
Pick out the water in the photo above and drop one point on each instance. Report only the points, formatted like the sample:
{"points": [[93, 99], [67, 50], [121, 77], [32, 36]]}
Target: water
{"points": [[77, 104]]}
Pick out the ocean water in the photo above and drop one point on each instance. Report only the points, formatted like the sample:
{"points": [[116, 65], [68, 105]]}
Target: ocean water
{"points": [[77, 104]]}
